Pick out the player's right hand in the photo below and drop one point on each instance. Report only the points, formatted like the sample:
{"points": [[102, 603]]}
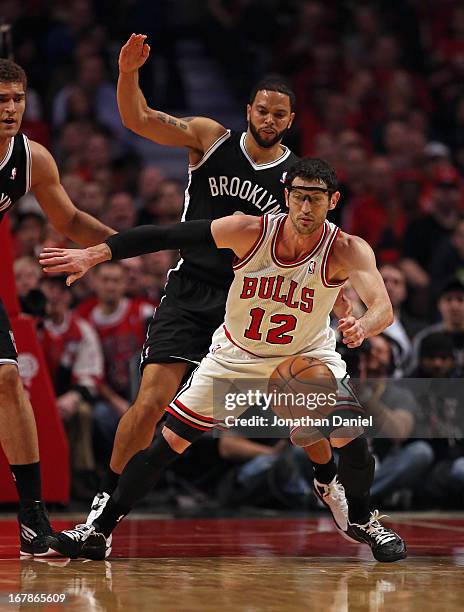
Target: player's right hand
{"points": [[75, 262], [134, 53]]}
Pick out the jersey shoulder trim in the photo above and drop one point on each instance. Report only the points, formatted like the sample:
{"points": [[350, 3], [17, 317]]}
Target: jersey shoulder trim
{"points": [[28, 163], [268, 165], [8, 153], [305, 257], [211, 150], [325, 260], [241, 262]]}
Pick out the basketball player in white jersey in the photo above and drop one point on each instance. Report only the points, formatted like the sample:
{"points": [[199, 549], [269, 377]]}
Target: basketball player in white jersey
{"points": [[287, 274], [26, 166]]}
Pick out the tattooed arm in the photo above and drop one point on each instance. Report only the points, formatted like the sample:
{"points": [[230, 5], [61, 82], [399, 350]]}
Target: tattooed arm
{"points": [[195, 133]]}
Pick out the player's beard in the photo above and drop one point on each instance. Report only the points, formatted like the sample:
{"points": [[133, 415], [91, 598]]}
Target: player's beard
{"points": [[266, 144], [304, 230]]}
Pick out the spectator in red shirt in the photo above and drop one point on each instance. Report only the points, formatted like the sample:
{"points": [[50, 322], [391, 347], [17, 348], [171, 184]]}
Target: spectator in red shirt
{"points": [[377, 216], [121, 324], [75, 361]]}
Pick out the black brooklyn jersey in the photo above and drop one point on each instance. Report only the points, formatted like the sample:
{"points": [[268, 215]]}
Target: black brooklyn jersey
{"points": [[226, 181], [15, 172]]}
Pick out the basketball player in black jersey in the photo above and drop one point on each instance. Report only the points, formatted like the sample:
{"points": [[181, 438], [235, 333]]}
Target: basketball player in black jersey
{"points": [[228, 173], [26, 165]]}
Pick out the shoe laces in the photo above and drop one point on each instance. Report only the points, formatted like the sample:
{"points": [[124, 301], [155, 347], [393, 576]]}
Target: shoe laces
{"points": [[80, 532], [336, 491], [374, 528]]}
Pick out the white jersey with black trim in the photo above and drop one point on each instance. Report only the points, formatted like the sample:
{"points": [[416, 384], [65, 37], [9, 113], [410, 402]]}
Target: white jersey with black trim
{"points": [[277, 307]]}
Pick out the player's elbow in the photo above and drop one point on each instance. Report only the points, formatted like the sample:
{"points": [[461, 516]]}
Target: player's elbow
{"points": [[72, 226], [388, 317], [125, 120], [65, 226], [134, 121]]}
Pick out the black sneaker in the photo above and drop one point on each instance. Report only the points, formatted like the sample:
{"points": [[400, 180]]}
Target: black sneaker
{"points": [[82, 541], [386, 545], [34, 528]]}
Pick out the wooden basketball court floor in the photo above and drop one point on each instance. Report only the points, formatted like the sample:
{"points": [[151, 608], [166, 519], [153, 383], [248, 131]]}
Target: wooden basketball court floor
{"points": [[243, 565]]}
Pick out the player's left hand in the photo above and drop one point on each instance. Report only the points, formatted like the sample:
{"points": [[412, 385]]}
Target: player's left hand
{"points": [[134, 53], [352, 331]]}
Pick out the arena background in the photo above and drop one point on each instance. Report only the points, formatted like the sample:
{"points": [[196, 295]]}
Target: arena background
{"points": [[380, 95]]}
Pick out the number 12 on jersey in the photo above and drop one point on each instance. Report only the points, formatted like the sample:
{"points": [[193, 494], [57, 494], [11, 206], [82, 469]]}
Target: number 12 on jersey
{"points": [[275, 335]]}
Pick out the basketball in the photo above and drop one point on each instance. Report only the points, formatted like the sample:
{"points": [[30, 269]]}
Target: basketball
{"points": [[303, 386]]}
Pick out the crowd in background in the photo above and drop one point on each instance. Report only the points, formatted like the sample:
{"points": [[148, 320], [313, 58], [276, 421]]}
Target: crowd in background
{"points": [[380, 95]]}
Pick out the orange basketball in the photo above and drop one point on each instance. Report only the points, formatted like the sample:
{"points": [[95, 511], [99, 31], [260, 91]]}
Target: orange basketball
{"points": [[303, 387]]}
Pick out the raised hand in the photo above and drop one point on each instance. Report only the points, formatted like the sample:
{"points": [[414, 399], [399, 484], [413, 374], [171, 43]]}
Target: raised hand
{"points": [[134, 53]]}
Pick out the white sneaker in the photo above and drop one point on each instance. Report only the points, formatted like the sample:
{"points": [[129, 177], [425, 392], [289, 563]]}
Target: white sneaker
{"points": [[98, 505], [333, 497]]}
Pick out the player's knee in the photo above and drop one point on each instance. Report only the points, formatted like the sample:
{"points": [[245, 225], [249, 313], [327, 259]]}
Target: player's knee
{"points": [[177, 443], [307, 438], [9, 377], [159, 454], [149, 408]]}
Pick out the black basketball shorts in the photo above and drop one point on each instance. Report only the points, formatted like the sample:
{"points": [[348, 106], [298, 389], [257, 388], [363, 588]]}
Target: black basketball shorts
{"points": [[8, 352], [184, 322]]}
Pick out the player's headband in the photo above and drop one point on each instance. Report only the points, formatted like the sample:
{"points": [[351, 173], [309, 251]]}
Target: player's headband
{"points": [[306, 188]]}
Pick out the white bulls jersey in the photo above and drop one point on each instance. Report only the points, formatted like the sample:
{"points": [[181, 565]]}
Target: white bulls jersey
{"points": [[278, 308]]}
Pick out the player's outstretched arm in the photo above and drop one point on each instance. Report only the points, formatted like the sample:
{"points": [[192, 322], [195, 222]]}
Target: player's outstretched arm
{"points": [[75, 224], [237, 232], [358, 261], [195, 133]]}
